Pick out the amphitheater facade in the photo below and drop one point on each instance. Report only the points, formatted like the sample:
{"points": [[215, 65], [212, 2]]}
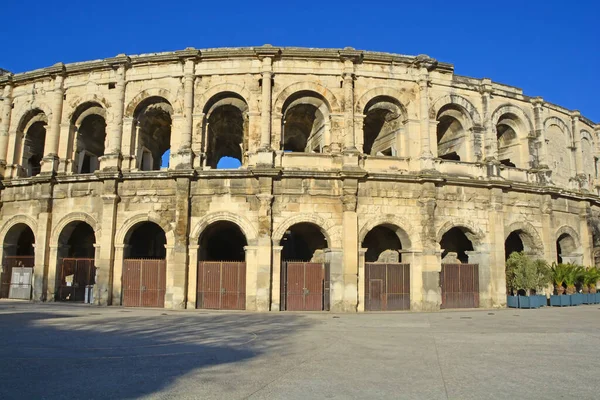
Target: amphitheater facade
{"points": [[367, 181]]}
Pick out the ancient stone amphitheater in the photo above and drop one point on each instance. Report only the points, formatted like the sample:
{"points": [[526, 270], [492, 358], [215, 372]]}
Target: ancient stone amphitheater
{"points": [[364, 181]]}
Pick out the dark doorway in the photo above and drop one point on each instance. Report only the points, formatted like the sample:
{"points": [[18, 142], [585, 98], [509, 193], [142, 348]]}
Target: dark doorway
{"points": [[17, 266], [76, 266]]}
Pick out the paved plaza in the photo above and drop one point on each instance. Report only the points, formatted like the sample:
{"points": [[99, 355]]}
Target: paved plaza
{"points": [[65, 351]]}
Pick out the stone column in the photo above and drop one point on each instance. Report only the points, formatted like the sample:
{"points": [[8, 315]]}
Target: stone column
{"points": [[183, 157], [276, 278], [114, 125], [348, 83], [106, 241], [335, 258], [67, 163], [5, 126], [192, 280], [587, 245], [575, 118], [50, 160], [175, 296], [426, 155], [117, 274], [265, 114], [548, 230], [263, 245], [490, 142], [42, 239], [542, 156], [361, 280], [251, 277], [198, 141], [51, 288]]}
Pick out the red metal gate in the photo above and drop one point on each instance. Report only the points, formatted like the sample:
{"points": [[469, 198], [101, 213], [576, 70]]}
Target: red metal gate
{"points": [[74, 275], [304, 286], [387, 286], [144, 282], [460, 285], [9, 263], [221, 285]]}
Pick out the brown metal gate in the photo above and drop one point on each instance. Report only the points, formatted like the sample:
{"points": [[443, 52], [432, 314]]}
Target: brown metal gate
{"points": [[9, 263], [221, 285], [144, 282], [304, 286], [460, 285], [75, 275], [387, 286]]}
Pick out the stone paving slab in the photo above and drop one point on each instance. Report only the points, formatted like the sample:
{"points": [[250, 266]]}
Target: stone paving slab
{"points": [[57, 351]]}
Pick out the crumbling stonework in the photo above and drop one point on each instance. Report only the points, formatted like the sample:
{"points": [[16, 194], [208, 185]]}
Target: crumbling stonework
{"points": [[439, 166]]}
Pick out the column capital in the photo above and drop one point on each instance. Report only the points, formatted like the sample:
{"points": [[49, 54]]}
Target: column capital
{"points": [[267, 51], [188, 54], [575, 114], [350, 55], [537, 101], [120, 60]]}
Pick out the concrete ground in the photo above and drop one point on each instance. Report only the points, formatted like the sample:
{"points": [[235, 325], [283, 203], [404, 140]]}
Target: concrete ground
{"points": [[67, 351]]}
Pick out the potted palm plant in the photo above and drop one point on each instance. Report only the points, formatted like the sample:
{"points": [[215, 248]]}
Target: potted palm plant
{"points": [[572, 279], [559, 275], [524, 274], [590, 280]]}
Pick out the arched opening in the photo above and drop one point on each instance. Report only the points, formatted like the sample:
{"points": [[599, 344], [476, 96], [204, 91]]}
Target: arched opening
{"points": [[559, 155], [90, 126], [144, 266], [566, 248], [222, 267], [305, 123], [226, 129], [455, 244], [383, 125], [76, 270], [507, 135], [452, 133], [459, 278], [18, 262], [383, 245], [587, 157], [304, 270], [387, 280], [32, 130], [146, 240], [153, 127], [513, 244]]}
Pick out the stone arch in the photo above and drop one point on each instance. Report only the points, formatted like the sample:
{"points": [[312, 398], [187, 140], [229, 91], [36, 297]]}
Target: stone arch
{"points": [[328, 228], [332, 102], [381, 91], [512, 109], [585, 134], [535, 241], [74, 103], [462, 103], [242, 222], [561, 124], [406, 234], [473, 233], [213, 91], [23, 112], [153, 92], [566, 229], [14, 220], [74, 217], [133, 221]]}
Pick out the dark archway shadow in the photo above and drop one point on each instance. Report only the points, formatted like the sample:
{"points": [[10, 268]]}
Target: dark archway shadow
{"points": [[86, 352]]}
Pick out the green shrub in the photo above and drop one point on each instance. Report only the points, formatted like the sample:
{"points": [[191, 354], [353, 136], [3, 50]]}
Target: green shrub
{"points": [[523, 272]]}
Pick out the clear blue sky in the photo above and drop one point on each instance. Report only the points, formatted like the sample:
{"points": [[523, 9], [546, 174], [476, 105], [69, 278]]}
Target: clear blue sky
{"points": [[549, 48]]}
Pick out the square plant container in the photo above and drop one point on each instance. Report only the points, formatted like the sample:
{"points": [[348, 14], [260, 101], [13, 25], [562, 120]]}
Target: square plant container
{"points": [[597, 298], [589, 298], [560, 300], [529, 302], [542, 299], [512, 301], [576, 299]]}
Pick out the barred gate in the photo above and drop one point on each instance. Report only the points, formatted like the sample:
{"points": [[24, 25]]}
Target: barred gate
{"points": [[75, 275], [144, 282], [221, 285], [387, 286], [304, 286], [460, 285], [16, 286]]}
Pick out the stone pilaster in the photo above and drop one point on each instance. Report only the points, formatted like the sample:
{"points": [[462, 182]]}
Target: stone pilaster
{"points": [[541, 158], [276, 278], [587, 245], [361, 279], [490, 152], [580, 173], [548, 229], [114, 125], [349, 57], [50, 160], [182, 159], [44, 278], [175, 296], [431, 255], [5, 126], [106, 241], [349, 278], [496, 277], [265, 113], [263, 245]]}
